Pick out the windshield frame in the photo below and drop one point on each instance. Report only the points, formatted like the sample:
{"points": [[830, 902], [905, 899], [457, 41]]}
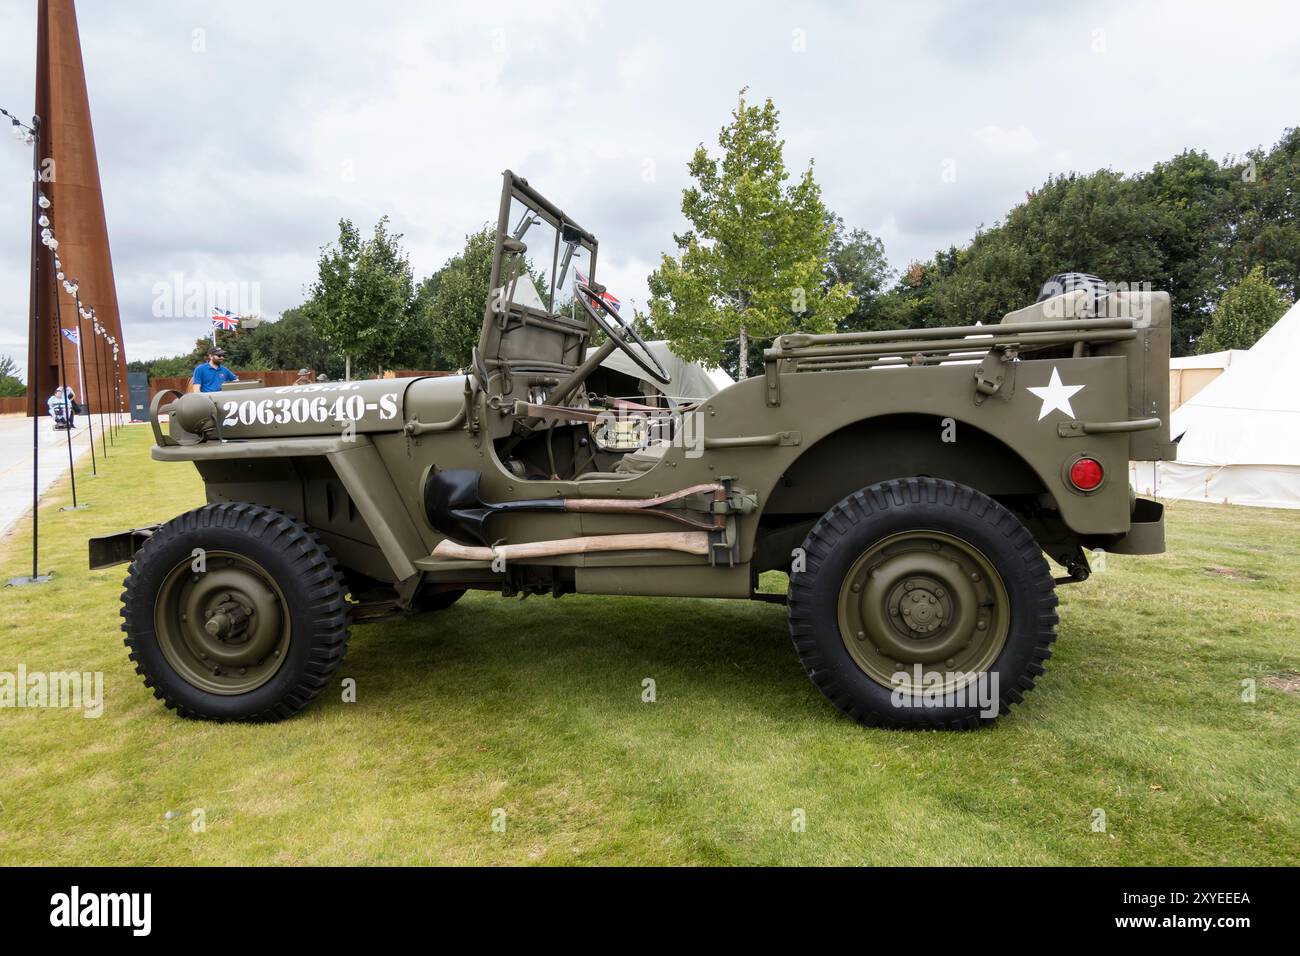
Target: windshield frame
{"points": [[537, 207]]}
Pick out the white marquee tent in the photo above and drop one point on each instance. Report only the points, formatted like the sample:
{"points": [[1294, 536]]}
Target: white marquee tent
{"points": [[1240, 434], [1191, 373]]}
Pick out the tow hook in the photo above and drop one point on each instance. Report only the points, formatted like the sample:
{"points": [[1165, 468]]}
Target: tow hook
{"points": [[1077, 566]]}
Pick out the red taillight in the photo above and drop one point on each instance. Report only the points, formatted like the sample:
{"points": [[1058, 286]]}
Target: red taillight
{"points": [[1086, 474]]}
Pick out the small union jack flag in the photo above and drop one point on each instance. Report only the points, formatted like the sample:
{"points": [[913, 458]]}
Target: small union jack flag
{"points": [[609, 298], [224, 319]]}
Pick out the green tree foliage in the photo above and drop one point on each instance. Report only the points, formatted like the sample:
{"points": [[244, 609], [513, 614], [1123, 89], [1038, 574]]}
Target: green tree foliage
{"points": [[754, 262], [454, 298], [289, 344], [1124, 229], [1190, 226], [1266, 221], [856, 260], [168, 367], [11, 386], [1244, 314], [295, 342], [180, 364], [362, 303]]}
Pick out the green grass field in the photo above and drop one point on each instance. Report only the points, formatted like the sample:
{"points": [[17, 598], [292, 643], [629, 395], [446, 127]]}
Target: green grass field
{"points": [[535, 708]]}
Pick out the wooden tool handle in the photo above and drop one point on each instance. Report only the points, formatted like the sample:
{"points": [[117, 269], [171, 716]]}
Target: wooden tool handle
{"points": [[689, 542], [635, 504]]}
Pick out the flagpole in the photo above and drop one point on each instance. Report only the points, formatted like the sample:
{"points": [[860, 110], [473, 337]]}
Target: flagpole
{"points": [[112, 418], [81, 375], [68, 414], [100, 392], [34, 377], [106, 433], [117, 390], [81, 358]]}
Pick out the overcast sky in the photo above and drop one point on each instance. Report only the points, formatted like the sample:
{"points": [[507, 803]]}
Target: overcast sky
{"points": [[233, 135]]}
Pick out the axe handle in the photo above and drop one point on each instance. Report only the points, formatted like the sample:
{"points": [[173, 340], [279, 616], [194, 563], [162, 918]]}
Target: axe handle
{"points": [[690, 542], [635, 504]]}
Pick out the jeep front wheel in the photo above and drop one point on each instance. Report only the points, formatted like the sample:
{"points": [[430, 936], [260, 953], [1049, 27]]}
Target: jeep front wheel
{"points": [[922, 603], [235, 612]]}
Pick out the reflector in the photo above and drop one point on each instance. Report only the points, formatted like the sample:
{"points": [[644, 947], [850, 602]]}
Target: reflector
{"points": [[1086, 474]]}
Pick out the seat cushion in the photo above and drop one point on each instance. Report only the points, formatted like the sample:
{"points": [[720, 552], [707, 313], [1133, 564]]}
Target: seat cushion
{"points": [[633, 463], [642, 460]]}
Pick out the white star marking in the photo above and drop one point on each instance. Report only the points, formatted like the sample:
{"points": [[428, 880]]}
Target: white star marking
{"points": [[1055, 395]]}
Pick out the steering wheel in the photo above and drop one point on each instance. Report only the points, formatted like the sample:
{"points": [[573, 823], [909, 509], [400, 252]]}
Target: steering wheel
{"points": [[622, 334]]}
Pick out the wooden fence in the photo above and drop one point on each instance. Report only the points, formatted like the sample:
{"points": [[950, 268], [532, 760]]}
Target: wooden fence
{"points": [[18, 406], [180, 383]]}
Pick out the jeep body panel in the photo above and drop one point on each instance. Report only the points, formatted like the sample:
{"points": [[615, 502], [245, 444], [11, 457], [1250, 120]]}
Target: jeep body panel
{"points": [[1005, 409], [909, 481]]}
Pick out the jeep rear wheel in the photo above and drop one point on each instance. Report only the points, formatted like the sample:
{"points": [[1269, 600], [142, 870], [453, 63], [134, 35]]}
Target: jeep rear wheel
{"points": [[235, 612], [922, 603]]}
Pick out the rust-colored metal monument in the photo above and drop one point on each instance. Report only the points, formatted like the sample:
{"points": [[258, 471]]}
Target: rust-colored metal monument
{"points": [[69, 178]]}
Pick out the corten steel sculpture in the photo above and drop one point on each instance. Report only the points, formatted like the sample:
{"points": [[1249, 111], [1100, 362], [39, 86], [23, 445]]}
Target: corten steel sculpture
{"points": [[69, 178]]}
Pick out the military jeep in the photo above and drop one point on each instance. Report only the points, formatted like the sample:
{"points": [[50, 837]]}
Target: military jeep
{"points": [[912, 484]]}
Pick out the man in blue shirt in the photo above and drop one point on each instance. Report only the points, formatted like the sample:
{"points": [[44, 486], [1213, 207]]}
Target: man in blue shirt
{"points": [[210, 376]]}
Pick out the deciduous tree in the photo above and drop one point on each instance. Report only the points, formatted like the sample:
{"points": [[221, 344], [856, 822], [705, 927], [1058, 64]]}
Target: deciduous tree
{"points": [[1244, 314], [11, 385], [363, 296], [754, 261], [455, 297]]}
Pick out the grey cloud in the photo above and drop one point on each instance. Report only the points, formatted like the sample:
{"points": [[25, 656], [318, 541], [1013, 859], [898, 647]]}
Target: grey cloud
{"points": [[234, 164]]}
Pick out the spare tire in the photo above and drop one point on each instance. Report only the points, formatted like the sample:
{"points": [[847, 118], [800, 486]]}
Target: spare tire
{"points": [[1063, 282]]}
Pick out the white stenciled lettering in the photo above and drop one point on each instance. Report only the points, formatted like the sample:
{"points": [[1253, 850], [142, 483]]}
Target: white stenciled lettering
{"points": [[342, 409]]}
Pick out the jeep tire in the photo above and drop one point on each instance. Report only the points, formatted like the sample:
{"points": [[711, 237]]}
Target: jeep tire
{"points": [[922, 603], [235, 611]]}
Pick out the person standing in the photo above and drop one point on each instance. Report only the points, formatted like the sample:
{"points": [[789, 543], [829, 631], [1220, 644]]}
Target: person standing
{"points": [[305, 377], [212, 374]]}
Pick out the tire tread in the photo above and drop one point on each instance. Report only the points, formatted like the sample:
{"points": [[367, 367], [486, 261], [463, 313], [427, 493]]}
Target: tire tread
{"points": [[862, 506], [312, 564]]}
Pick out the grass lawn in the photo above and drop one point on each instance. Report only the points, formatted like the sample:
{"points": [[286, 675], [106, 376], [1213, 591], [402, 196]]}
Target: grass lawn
{"points": [[535, 708]]}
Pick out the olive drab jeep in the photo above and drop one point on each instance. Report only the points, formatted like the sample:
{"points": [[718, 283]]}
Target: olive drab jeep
{"points": [[912, 484]]}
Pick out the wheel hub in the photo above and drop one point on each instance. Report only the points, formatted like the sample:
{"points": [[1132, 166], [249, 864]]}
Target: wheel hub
{"points": [[923, 599], [922, 608], [229, 621], [224, 629]]}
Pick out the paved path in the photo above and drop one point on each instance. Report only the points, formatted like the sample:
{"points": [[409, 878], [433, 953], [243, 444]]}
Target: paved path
{"points": [[16, 462]]}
